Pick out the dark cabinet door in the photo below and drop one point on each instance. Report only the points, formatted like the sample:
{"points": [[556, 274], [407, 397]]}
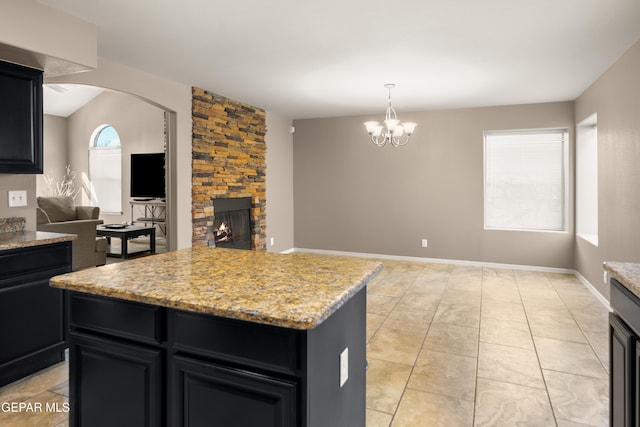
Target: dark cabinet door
{"points": [[636, 405], [31, 319], [207, 394], [623, 374], [114, 384], [32, 324], [20, 119]]}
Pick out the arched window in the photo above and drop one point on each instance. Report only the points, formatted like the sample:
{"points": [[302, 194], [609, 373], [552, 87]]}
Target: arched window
{"points": [[105, 170], [107, 137]]}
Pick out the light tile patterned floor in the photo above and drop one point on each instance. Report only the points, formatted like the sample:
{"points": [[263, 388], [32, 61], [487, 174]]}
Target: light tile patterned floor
{"points": [[470, 346], [49, 385], [455, 346]]}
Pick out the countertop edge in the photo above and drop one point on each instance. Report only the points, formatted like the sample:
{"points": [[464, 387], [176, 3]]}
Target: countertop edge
{"points": [[297, 321], [27, 239], [627, 273]]}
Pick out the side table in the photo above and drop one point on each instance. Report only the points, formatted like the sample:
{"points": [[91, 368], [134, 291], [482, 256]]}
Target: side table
{"points": [[125, 234]]}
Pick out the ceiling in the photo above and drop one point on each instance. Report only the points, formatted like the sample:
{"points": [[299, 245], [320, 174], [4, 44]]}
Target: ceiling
{"points": [[64, 99], [308, 59]]}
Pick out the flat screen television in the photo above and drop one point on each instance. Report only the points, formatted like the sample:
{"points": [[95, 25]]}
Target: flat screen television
{"points": [[147, 176]]}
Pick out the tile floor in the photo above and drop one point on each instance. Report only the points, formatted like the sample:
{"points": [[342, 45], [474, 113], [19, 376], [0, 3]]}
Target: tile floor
{"points": [[454, 346], [470, 346]]}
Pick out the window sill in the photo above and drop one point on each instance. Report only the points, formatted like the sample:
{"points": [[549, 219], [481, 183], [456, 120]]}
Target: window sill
{"points": [[589, 238]]}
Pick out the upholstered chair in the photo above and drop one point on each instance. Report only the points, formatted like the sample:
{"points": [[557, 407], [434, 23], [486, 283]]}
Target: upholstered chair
{"points": [[60, 215]]}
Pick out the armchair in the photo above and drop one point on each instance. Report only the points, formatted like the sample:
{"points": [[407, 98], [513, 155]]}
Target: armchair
{"points": [[59, 215]]}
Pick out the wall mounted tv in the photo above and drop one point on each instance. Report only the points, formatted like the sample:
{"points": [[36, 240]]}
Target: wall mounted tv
{"points": [[147, 176]]}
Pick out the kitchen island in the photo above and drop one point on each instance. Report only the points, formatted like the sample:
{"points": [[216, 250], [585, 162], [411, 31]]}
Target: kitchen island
{"points": [[213, 336]]}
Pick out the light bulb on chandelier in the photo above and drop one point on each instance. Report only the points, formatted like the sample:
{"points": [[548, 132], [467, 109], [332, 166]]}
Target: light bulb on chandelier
{"points": [[396, 133]]}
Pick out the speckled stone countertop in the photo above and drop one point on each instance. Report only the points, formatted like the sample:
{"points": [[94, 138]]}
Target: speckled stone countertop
{"points": [[297, 291], [24, 239], [627, 273]]}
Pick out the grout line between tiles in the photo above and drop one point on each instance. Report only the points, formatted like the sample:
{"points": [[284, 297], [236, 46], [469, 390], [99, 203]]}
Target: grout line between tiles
{"points": [[535, 348]]}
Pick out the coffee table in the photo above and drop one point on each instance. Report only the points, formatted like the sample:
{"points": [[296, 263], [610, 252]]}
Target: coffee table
{"points": [[125, 234]]}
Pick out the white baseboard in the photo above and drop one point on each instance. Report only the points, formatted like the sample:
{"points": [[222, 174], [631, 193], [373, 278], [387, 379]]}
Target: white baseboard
{"points": [[580, 277], [593, 290], [438, 261]]}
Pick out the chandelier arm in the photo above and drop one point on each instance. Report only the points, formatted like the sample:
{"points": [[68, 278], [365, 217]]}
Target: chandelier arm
{"points": [[378, 142], [399, 141]]}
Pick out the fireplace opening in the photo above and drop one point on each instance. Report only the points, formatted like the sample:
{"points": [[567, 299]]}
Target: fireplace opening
{"points": [[231, 223]]}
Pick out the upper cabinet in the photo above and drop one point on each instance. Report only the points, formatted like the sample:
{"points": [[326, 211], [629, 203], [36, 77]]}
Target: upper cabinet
{"points": [[20, 119]]}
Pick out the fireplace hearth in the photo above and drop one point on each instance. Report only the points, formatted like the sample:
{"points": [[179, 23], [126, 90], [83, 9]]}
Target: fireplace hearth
{"points": [[231, 223]]}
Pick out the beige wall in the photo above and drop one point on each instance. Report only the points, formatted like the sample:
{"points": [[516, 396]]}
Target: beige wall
{"points": [[176, 98], [173, 97], [350, 195], [141, 129], [615, 96], [279, 160], [19, 182], [55, 152], [69, 44]]}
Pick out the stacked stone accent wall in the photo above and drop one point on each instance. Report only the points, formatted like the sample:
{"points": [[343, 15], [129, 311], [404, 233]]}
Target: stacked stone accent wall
{"points": [[228, 160]]}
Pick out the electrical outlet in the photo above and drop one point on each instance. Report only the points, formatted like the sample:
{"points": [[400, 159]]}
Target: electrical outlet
{"points": [[273, 241], [17, 198], [424, 243], [344, 366]]}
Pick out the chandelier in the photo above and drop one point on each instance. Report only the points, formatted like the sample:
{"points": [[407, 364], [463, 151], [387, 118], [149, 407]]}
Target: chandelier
{"points": [[396, 133]]}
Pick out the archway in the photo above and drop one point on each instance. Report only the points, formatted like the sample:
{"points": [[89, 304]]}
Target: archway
{"points": [[87, 107]]}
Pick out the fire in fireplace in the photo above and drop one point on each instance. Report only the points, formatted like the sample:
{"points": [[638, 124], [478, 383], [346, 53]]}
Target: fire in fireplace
{"points": [[232, 223]]}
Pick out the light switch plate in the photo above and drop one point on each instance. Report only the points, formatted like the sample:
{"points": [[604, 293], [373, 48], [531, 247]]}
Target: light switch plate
{"points": [[344, 366], [17, 198]]}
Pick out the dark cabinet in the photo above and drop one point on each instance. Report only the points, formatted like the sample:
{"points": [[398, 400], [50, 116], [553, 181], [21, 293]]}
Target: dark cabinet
{"points": [[624, 358], [20, 119], [32, 323], [206, 394], [636, 402], [622, 387], [119, 383]]}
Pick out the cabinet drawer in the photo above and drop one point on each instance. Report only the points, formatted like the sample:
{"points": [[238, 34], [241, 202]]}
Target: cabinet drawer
{"points": [[262, 346], [626, 305], [36, 259], [119, 318]]}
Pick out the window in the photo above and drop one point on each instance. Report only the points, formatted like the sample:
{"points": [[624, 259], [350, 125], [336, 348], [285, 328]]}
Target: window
{"points": [[587, 180], [525, 183], [105, 170]]}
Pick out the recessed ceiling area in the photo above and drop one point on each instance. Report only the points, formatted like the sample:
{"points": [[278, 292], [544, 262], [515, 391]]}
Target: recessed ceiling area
{"points": [[332, 58], [65, 99]]}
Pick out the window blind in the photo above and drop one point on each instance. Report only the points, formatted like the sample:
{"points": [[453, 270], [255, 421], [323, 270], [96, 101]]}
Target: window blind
{"points": [[524, 180], [105, 173]]}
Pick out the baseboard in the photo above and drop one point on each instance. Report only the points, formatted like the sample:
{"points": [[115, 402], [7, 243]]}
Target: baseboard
{"points": [[580, 277], [438, 261], [604, 301]]}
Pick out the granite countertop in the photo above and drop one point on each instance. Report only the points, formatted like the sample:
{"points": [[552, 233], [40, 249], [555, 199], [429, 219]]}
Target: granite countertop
{"points": [[296, 290], [627, 273], [24, 239]]}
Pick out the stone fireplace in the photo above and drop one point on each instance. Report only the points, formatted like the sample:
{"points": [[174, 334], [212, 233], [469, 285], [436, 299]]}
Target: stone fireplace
{"points": [[231, 223], [228, 162]]}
